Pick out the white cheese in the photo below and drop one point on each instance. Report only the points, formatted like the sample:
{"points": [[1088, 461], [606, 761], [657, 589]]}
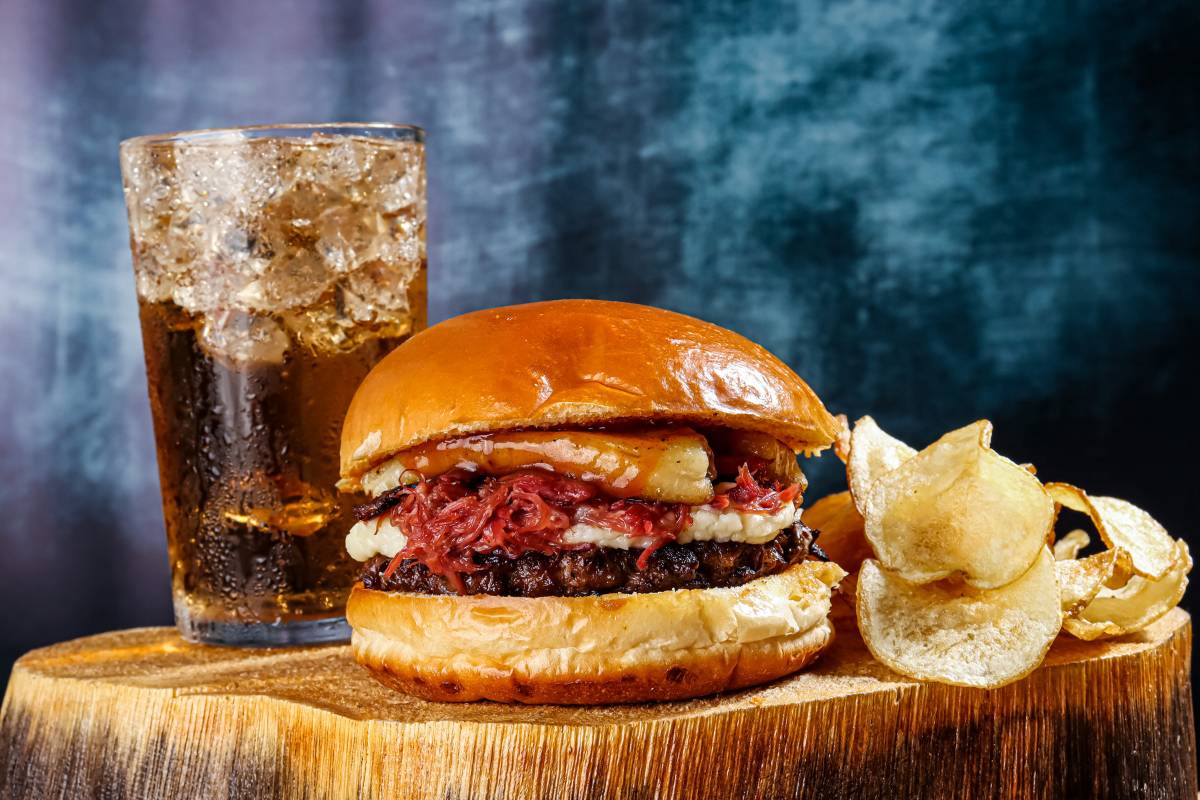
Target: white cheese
{"points": [[708, 524], [375, 537], [728, 525], [603, 537], [386, 476], [380, 537]]}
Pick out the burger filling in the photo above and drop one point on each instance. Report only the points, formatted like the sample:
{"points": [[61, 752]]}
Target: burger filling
{"points": [[570, 513]]}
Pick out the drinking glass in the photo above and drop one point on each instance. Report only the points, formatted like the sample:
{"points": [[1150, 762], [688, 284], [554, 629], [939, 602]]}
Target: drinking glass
{"points": [[275, 266]]}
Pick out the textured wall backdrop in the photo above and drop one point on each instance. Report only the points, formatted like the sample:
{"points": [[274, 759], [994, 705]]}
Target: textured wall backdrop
{"points": [[934, 211]]}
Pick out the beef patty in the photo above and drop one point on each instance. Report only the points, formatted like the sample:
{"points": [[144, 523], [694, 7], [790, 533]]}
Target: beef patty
{"points": [[597, 570]]}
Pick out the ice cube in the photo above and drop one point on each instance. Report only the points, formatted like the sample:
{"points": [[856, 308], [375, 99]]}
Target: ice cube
{"points": [[346, 234], [400, 249], [242, 336], [294, 280], [396, 178], [154, 269], [251, 297], [300, 205], [323, 328], [233, 237], [344, 161], [263, 180], [375, 287]]}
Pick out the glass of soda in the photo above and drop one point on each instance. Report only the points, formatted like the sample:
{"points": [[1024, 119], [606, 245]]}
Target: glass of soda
{"points": [[275, 266]]}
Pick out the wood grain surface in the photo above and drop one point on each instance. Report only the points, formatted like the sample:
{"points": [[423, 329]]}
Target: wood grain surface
{"points": [[140, 713]]}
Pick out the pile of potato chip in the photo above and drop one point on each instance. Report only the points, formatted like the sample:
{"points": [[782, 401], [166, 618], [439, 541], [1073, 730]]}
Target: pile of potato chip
{"points": [[967, 584]]}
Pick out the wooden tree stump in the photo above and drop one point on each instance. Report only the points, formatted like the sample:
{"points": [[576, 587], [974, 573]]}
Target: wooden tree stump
{"points": [[142, 714]]}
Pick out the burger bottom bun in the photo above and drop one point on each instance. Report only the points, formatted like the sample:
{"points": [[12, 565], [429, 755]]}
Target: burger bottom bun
{"points": [[617, 648]]}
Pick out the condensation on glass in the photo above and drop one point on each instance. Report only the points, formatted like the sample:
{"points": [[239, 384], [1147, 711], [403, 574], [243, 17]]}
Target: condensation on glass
{"points": [[275, 266]]}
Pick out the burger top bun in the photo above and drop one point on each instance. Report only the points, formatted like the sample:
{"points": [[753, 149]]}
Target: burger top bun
{"points": [[574, 363]]}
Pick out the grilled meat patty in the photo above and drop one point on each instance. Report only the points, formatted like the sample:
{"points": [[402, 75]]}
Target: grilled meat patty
{"points": [[600, 570]]}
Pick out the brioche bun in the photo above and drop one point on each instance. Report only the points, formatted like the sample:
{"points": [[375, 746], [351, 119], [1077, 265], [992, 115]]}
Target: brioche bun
{"points": [[574, 363], [618, 648]]}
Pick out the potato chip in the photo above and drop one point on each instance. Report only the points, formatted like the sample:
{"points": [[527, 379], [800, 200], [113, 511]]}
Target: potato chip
{"points": [[841, 528], [1069, 545], [872, 454], [958, 508], [952, 633], [1122, 525], [841, 445], [1081, 579], [842, 604], [1141, 601]]}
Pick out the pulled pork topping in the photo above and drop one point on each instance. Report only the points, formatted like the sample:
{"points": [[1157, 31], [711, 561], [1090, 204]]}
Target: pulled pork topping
{"points": [[458, 516]]}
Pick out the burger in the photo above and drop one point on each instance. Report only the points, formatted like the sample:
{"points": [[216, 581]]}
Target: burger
{"points": [[582, 501]]}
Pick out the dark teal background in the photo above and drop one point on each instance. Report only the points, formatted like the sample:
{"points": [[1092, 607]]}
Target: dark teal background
{"points": [[934, 212]]}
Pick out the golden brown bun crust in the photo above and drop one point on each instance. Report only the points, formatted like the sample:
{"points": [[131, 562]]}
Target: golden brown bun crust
{"points": [[573, 363], [601, 649]]}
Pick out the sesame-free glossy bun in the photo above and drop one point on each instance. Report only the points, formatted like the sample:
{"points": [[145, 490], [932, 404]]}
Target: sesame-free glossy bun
{"points": [[616, 648], [570, 364]]}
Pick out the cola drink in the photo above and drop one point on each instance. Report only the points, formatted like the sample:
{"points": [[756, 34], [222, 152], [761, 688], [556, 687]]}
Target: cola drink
{"points": [[274, 267]]}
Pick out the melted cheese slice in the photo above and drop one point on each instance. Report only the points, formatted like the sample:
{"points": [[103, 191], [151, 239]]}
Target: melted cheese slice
{"points": [[664, 464]]}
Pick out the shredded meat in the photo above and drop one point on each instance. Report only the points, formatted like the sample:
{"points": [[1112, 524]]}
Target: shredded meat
{"points": [[747, 494], [598, 570]]}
